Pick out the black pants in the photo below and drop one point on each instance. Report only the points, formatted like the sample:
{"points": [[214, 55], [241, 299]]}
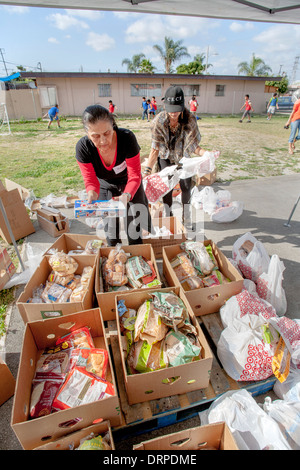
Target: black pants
{"points": [[137, 215], [185, 186]]}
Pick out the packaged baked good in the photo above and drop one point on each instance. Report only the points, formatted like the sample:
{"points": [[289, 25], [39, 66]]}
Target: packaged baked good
{"points": [[93, 246], [55, 293], [144, 357], [54, 362], [42, 396], [95, 442], [148, 324], [93, 360], [199, 257], [183, 266], [179, 349], [62, 280], [80, 338], [62, 263], [171, 308], [192, 283]]}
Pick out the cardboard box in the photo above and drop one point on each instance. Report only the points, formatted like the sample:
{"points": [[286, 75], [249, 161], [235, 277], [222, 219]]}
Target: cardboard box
{"points": [[216, 436], [7, 268], [106, 300], [152, 385], [35, 311], [208, 299], [7, 382], [17, 216], [206, 180], [37, 336], [72, 441], [52, 221], [70, 241], [176, 228]]}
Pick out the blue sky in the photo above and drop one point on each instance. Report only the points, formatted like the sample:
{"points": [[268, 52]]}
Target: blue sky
{"points": [[92, 41]]}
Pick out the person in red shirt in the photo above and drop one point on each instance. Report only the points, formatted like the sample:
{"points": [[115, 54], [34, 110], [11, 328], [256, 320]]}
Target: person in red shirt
{"points": [[294, 121], [109, 161], [111, 107], [248, 107], [193, 105]]}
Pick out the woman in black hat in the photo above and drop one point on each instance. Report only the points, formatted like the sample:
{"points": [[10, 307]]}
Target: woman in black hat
{"points": [[175, 135]]}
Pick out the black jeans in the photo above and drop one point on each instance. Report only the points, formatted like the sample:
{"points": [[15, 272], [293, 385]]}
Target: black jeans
{"points": [[185, 186], [137, 215]]}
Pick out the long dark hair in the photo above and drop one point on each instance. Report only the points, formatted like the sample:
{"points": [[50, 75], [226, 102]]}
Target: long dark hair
{"points": [[95, 113]]}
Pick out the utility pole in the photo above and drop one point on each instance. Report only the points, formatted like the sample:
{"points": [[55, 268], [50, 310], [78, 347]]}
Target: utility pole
{"points": [[1, 51]]}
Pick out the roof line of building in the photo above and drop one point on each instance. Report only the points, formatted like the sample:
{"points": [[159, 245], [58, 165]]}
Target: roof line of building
{"points": [[176, 76]]}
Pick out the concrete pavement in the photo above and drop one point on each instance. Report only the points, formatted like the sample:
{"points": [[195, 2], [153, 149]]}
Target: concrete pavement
{"points": [[268, 203]]}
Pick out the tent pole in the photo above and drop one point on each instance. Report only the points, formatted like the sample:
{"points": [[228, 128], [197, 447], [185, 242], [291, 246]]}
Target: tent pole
{"points": [[287, 224]]}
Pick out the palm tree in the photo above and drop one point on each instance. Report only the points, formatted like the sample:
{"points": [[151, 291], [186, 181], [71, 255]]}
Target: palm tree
{"points": [[134, 64], [172, 52], [146, 66], [256, 67], [196, 67]]}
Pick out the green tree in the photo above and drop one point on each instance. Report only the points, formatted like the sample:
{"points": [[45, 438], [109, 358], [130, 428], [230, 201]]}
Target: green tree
{"points": [[134, 64], [146, 66], [255, 68], [281, 85], [196, 67], [171, 52]]}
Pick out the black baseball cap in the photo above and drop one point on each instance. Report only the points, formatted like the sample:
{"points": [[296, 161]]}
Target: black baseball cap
{"points": [[174, 99]]}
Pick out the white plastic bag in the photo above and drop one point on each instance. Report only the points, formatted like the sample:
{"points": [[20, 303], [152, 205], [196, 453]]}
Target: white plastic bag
{"points": [[251, 427], [289, 330], [228, 213], [269, 285], [255, 262], [289, 390], [246, 348], [287, 415], [198, 165]]}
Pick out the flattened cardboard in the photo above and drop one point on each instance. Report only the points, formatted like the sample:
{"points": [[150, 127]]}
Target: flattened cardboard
{"points": [[212, 436], [35, 311], [17, 216], [7, 382], [7, 267], [106, 300], [152, 385], [73, 439], [37, 336], [177, 230], [208, 299]]}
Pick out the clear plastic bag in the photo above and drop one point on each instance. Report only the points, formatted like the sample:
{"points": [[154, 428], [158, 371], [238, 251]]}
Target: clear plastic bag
{"points": [[269, 285]]}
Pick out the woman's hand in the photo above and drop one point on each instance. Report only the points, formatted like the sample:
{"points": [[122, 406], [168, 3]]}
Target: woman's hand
{"points": [[124, 198], [92, 196]]}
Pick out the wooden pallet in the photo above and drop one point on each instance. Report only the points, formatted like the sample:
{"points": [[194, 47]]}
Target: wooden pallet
{"points": [[154, 414]]}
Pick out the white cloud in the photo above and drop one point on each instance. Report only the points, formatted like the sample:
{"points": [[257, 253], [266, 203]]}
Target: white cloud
{"points": [[236, 27], [53, 41], [100, 42], [15, 9], [63, 22], [279, 38], [87, 14]]}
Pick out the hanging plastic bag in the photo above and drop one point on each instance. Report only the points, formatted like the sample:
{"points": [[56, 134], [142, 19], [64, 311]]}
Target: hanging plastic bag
{"points": [[250, 425], [159, 184], [287, 415], [251, 256], [269, 285], [246, 348], [198, 166]]}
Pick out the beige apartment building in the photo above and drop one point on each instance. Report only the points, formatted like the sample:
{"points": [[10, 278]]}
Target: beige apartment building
{"points": [[216, 94]]}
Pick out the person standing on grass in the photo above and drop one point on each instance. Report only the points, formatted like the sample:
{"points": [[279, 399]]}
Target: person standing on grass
{"points": [[193, 105], [145, 108], [111, 107], [53, 115], [273, 104], [248, 108], [109, 161], [294, 121]]}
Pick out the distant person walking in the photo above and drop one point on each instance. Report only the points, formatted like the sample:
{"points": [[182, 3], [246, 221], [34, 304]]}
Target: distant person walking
{"points": [[145, 109], [111, 107], [154, 103], [248, 108], [151, 110], [294, 121], [272, 105], [53, 115], [193, 105]]}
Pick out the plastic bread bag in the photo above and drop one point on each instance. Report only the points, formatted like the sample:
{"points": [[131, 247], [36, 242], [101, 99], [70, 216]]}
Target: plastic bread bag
{"points": [[86, 275], [137, 269], [80, 338], [55, 293], [62, 263], [179, 349], [62, 280], [93, 246], [114, 267], [95, 442], [81, 387], [183, 266], [93, 360], [54, 362], [148, 324], [144, 357], [202, 260], [192, 283], [251, 256], [171, 308], [42, 396]]}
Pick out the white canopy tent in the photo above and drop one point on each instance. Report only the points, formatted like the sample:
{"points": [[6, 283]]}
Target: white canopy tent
{"points": [[275, 11]]}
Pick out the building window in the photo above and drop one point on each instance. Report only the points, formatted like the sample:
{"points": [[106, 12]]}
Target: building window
{"points": [[104, 89], [145, 89], [189, 90], [220, 90], [48, 96]]}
